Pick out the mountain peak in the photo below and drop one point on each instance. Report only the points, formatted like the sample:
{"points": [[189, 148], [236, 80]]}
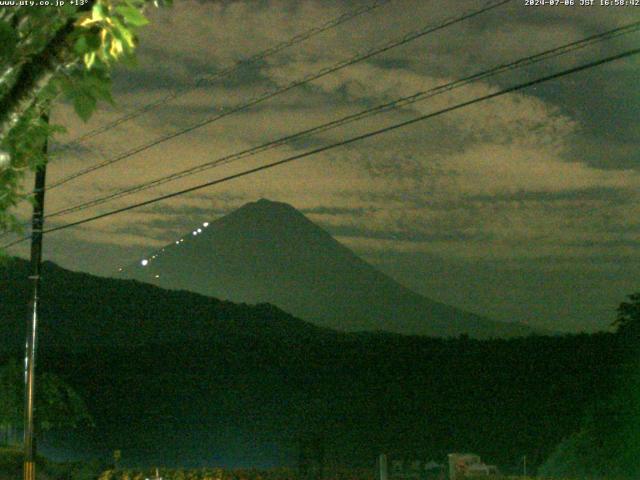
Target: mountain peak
{"points": [[272, 203], [272, 220], [265, 205], [267, 251]]}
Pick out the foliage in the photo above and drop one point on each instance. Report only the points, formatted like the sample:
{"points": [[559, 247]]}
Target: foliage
{"points": [[169, 371], [571, 459], [57, 404], [11, 467], [11, 462], [608, 442], [44, 56], [628, 319], [10, 401]]}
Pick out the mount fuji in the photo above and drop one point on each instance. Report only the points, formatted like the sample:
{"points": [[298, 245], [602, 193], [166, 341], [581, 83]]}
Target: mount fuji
{"points": [[270, 252]]}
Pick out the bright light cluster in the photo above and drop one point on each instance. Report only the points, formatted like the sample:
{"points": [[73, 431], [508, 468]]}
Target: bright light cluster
{"points": [[145, 261]]}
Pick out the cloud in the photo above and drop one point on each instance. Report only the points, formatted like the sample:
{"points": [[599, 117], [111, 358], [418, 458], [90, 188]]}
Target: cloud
{"points": [[483, 180]]}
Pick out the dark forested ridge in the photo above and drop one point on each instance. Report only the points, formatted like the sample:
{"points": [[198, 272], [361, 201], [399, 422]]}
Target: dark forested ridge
{"points": [[176, 378], [81, 311]]}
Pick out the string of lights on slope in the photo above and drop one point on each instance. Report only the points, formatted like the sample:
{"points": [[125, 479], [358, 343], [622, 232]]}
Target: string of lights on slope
{"points": [[154, 255], [395, 104], [515, 88], [546, 55]]}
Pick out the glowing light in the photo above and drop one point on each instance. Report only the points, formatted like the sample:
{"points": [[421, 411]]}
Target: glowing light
{"points": [[157, 276], [144, 262], [181, 240], [120, 269], [194, 233], [205, 224], [177, 242], [199, 230]]}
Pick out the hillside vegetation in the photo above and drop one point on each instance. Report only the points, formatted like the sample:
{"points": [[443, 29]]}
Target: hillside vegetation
{"points": [[177, 379]]}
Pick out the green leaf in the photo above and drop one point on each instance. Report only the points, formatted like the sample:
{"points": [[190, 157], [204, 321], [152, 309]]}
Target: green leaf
{"points": [[84, 105], [132, 15], [89, 59], [81, 46], [99, 12], [121, 32], [98, 83]]}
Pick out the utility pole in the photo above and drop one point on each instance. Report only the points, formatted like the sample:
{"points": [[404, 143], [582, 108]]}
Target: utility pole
{"points": [[37, 225]]}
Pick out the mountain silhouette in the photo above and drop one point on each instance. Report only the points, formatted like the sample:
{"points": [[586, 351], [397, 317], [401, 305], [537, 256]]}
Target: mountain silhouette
{"points": [[83, 311], [180, 379], [270, 252]]}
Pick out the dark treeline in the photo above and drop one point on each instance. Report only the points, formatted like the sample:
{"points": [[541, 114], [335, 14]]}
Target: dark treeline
{"points": [[173, 378]]}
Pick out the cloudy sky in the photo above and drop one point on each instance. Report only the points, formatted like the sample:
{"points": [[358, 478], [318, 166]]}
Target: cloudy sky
{"points": [[524, 207]]}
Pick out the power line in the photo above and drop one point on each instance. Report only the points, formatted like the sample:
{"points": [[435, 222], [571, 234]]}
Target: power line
{"points": [[401, 102], [348, 141], [271, 94], [301, 37], [220, 74]]}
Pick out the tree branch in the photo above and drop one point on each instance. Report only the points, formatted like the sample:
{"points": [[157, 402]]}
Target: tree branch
{"points": [[33, 78]]}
